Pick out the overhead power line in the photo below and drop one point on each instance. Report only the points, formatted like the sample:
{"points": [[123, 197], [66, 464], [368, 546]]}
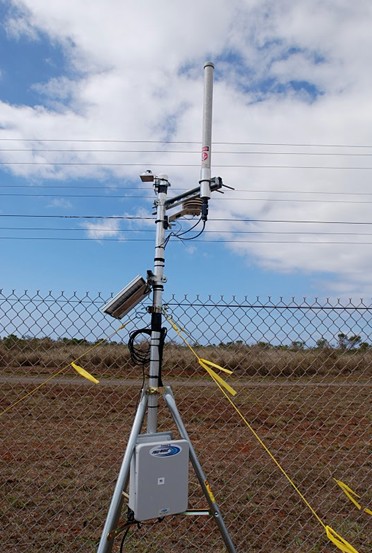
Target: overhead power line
{"points": [[145, 147], [123, 217], [143, 218], [193, 152], [143, 197], [219, 232], [218, 241], [130, 187], [231, 143], [163, 165]]}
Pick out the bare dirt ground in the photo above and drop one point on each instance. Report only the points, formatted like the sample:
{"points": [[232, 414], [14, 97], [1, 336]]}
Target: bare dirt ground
{"points": [[63, 446]]}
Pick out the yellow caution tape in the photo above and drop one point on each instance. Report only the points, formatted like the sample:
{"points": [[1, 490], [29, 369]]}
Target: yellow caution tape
{"points": [[352, 495], [84, 373], [349, 493], [207, 366], [210, 364], [335, 538], [209, 490], [338, 541], [65, 368]]}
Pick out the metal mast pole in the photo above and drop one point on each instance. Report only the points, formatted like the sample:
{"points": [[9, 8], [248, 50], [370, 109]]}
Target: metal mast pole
{"points": [[137, 290], [161, 184], [205, 172]]}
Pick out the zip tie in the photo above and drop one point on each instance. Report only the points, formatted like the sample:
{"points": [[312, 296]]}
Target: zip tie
{"points": [[352, 495]]}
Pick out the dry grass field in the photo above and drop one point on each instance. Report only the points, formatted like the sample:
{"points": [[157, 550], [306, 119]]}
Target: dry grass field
{"points": [[44, 356], [63, 447]]}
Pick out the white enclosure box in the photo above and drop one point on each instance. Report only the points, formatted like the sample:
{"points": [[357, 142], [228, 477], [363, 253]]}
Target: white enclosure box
{"points": [[158, 483]]}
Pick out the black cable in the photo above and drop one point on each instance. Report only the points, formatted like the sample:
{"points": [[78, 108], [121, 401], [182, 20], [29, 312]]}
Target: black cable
{"points": [[188, 230], [180, 234], [131, 521], [191, 237], [138, 354], [167, 239], [123, 540], [163, 335]]}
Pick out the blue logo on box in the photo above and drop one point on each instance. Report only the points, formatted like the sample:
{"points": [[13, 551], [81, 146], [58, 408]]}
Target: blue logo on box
{"points": [[165, 450]]}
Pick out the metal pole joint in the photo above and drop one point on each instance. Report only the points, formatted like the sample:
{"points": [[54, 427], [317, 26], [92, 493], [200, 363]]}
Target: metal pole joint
{"points": [[152, 391]]}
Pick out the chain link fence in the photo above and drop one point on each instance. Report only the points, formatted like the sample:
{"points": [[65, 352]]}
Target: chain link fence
{"points": [[302, 371]]}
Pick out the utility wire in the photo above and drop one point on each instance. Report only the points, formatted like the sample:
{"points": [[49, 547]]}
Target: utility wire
{"points": [[179, 165], [76, 187], [143, 197], [122, 217], [223, 219], [130, 187], [65, 196], [220, 232], [219, 241], [295, 221], [193, 152], [123, 141]]}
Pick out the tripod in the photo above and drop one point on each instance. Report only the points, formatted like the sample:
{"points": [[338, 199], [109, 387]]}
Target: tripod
{"points": [[110, 529], [153, 389]]}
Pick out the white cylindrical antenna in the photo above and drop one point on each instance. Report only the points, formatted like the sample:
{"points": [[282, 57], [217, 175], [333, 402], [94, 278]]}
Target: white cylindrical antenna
{"points": [[205, 173]]}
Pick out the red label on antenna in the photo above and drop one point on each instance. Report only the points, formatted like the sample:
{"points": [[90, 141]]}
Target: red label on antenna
{"points": [[205, 153]]}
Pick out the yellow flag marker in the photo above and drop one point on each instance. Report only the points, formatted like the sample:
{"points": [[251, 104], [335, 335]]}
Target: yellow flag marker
{"points": [[338, 541], [207, 365], [84, 373], [351, 495], [335, 538]]}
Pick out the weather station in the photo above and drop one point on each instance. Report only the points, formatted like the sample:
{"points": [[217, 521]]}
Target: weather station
{"points": [[154, 474]]}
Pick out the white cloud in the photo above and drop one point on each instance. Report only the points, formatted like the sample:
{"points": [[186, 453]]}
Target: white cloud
{"points": [[61, 203], [19, 26], [286, 72], [101, 230]]}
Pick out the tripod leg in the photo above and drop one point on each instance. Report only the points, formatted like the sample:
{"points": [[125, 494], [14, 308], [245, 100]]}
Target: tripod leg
{"points": [[168, 397], [108, 533]]}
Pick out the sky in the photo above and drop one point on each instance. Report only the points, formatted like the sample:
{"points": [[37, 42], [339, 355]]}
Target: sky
{"points": [[90, 97]]}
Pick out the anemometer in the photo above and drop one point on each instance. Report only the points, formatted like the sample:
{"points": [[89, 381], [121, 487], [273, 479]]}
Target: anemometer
{"points": [[155, 466]]}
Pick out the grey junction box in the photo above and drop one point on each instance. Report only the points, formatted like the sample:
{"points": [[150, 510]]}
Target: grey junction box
{"points": [[158, 484]]}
